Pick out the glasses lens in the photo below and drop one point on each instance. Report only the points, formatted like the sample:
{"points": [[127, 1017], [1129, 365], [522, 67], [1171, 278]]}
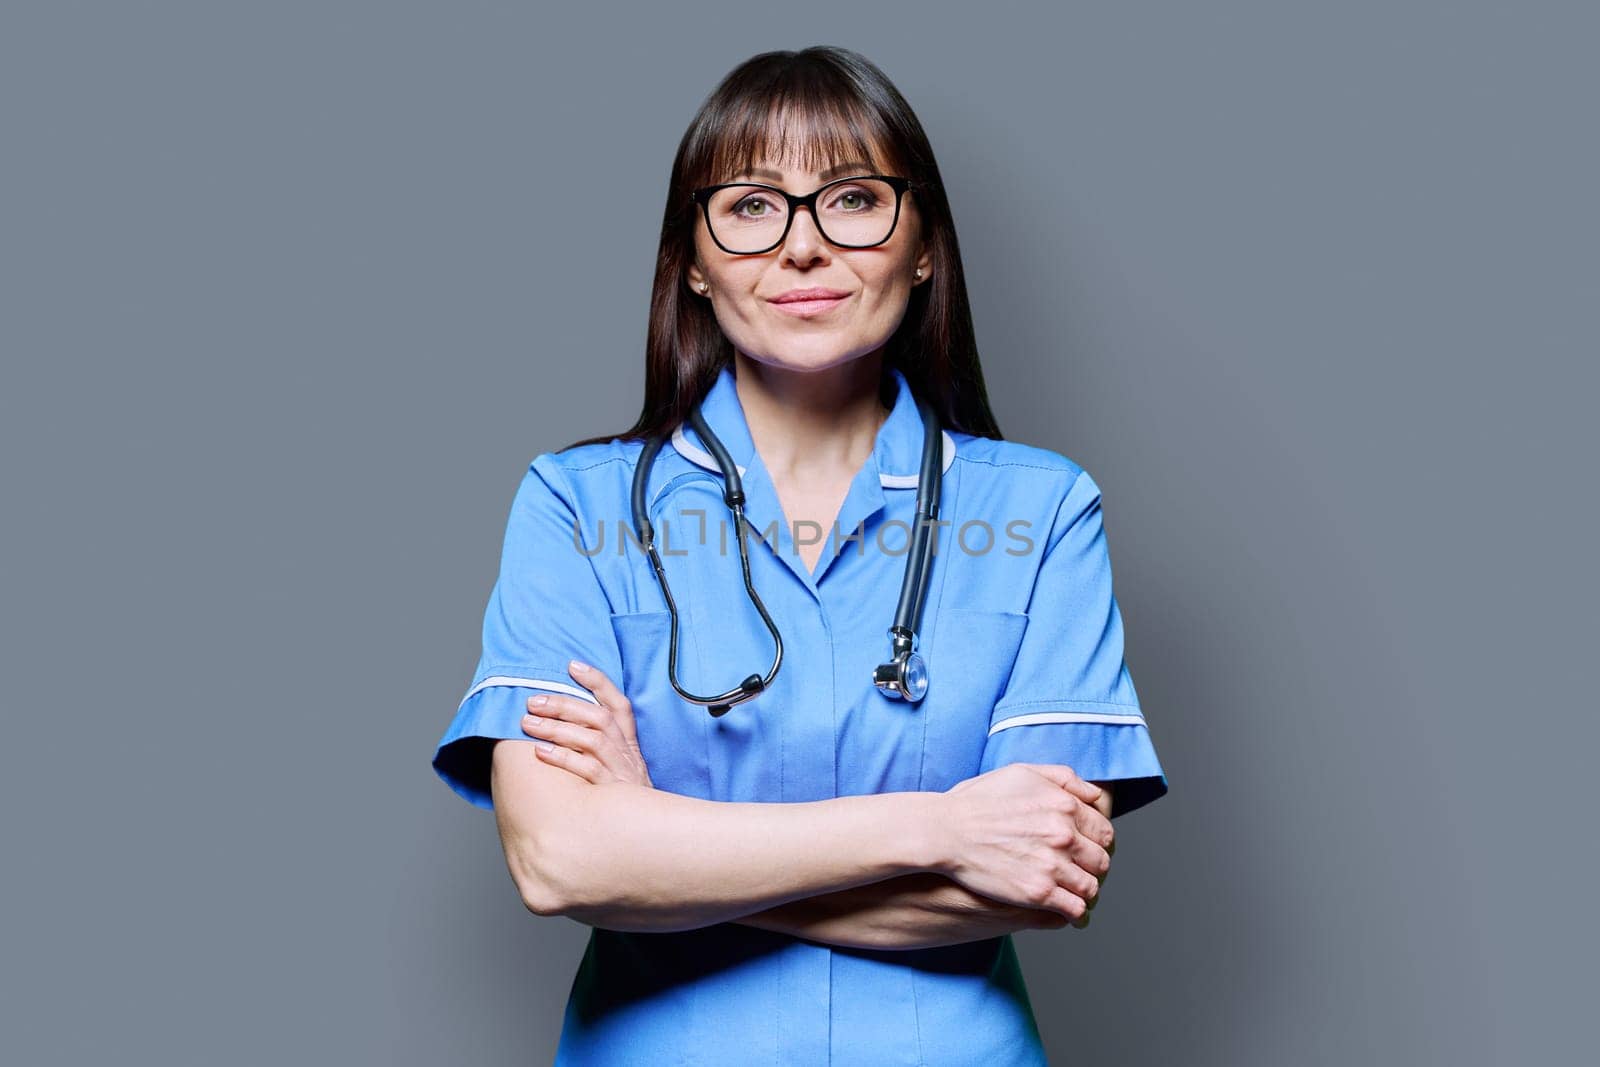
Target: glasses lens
{"points": [[746, 218], [856, 211]]}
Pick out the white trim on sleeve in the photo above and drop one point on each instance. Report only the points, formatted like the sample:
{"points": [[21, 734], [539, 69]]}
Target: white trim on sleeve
{"points": [[1067, 716], [532, 683]]}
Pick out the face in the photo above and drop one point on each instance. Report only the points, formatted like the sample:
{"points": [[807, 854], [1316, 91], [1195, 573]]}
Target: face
{"points": [[876, 282]]}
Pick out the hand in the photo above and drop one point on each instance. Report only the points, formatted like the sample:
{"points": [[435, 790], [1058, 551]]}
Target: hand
{"points": [[598, 744], [1029, 834], [1050, 920], [1103, 806]]}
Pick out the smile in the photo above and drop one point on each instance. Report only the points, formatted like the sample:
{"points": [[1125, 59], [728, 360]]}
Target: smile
{"points": [[806, 309]]}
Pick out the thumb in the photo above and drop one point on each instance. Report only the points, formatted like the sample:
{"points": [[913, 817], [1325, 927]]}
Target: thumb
{"points": [[1068, 779]]}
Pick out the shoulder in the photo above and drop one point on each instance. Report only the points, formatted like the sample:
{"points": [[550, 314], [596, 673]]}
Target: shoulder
{"points": [[1019, 466], [601, 474], [575, 463], [995, 453], [1040, 487]]}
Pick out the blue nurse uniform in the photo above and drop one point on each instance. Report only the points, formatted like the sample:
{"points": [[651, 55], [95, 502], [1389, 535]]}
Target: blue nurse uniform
{"points": [[1024, 646]]}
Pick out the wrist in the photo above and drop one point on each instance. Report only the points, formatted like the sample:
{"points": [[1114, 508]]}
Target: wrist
{"points": [[928, 844]]}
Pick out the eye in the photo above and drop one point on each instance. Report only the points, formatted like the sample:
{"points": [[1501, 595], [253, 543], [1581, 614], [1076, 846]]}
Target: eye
{"points": [[854, 198], [754, 206]]}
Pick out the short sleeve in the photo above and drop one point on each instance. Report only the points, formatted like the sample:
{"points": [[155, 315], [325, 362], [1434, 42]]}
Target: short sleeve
{"points": [[547, 607], [1069, 698]]}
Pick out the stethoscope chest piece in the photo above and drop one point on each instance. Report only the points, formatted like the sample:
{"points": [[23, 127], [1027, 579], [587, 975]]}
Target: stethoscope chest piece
{"points": [[904, 678]]}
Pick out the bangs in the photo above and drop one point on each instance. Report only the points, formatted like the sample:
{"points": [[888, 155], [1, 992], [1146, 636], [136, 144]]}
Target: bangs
{"points": [[809, 131]]}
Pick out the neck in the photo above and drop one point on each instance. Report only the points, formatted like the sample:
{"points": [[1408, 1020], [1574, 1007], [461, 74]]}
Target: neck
{"points": [[812, 424]]}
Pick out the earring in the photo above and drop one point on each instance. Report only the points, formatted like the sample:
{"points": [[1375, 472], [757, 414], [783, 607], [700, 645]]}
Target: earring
{"points": [[704, 286], [917, 274]]}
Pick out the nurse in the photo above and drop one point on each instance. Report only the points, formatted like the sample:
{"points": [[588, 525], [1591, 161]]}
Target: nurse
{"points": [[826, 872]]}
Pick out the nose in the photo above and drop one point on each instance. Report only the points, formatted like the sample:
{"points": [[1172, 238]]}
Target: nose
{"points": [[805, 244]]}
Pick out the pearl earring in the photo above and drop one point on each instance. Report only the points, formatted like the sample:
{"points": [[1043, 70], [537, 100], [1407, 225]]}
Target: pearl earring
{"points": [[917, 274], [705, 286]]}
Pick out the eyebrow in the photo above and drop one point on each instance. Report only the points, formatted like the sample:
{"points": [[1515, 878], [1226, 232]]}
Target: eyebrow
{"points": [[854, 166]]}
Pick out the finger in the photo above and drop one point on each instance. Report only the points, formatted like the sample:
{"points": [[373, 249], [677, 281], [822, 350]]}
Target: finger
{"points": [[1077, 881], [574, 710], [586, 767], [1088, 855], [1094, 825], [1088, 913], [1068, 779], [1104, 804], [1066, 903], [606, 691], [566, 734], [585, 713]]}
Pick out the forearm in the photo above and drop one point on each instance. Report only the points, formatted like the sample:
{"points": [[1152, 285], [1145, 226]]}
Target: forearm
{"points": [[627, 857], [917, 910]]}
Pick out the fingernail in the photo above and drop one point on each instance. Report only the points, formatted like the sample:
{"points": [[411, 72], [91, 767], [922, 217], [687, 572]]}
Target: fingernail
{"points": [[543, 746], [538, 702], [579, 666]]}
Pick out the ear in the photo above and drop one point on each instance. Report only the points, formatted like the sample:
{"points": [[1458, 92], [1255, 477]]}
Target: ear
{"points": [[696, 276], [924, 261]]}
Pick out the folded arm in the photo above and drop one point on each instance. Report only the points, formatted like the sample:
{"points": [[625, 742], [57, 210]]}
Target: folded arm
{"points": [[613, 854], [576, 853], [908, 911]]}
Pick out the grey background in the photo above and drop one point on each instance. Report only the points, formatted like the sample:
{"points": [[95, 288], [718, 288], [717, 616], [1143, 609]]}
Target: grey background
{"points": [[292, 293]]}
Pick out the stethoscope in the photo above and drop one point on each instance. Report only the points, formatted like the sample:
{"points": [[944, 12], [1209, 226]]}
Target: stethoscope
{"points": [[905, 676]]}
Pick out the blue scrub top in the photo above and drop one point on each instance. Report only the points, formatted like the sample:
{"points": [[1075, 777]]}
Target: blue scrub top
{"points": [[1024, 646]]}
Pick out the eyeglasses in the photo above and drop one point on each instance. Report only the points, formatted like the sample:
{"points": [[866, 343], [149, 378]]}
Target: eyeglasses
{"points": [[746, 218]]}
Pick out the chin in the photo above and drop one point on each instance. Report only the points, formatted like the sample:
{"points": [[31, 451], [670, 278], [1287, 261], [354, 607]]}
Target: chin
{"points": [[811, 363], [799, 363]]}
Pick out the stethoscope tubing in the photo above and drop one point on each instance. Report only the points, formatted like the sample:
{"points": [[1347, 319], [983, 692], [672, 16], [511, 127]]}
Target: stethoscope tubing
{"points": [[913, 584]]}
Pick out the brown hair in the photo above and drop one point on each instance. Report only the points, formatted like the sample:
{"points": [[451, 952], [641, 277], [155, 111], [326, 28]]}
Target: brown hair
{"points": [[838, 105]]}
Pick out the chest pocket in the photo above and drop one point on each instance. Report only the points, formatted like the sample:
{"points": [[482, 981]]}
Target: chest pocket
{"points": [[969, 662], [673, 733]]}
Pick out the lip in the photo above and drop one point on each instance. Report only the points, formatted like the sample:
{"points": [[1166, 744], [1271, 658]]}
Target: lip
{"points": [[816, 292], [808, 302]]}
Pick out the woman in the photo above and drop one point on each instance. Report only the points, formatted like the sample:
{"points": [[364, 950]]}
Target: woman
{"points": [[825, 871]]}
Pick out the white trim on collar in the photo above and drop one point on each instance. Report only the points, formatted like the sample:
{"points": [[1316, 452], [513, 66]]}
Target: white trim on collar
{"points": [[909, 481], [700, 457], [697, 455]]}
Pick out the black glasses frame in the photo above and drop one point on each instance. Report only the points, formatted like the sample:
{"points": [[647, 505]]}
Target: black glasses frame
{"points": [[809, 202]]}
